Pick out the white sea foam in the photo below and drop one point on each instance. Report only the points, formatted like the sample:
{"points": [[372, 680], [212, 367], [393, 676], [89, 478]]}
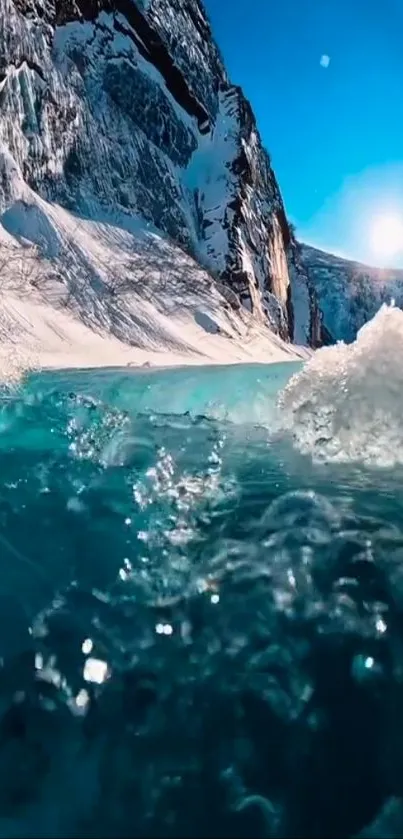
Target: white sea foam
{"points": [[347, 402]]}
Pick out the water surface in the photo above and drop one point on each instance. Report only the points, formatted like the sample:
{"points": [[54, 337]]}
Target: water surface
{"points": [[200, 627]]}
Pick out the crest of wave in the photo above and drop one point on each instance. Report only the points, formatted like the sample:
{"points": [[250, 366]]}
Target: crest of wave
{"points": [[347, 402]]}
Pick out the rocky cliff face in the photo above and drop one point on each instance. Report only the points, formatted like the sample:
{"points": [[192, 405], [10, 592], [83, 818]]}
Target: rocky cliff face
{"points": [[125, 106], [349, 293]]}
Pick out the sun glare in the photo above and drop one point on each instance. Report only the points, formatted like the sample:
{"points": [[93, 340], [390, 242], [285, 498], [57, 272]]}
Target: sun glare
{"points": [[387, 236]]}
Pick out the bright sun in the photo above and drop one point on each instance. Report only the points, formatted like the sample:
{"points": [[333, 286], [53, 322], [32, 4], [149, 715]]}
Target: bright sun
{"points": [[387, 235]]}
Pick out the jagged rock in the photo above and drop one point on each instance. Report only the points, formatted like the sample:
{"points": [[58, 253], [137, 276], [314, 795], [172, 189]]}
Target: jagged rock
{"points": [[125, 105]]}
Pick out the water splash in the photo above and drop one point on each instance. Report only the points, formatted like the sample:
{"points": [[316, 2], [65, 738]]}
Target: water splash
{"points": [[347, 402]]}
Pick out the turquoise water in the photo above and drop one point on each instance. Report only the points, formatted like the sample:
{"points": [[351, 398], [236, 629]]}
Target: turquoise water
{"points": [[200, 628], [243, 393]]}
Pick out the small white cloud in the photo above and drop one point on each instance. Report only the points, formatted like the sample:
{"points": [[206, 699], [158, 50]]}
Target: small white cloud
{"points": [[324, 61]]}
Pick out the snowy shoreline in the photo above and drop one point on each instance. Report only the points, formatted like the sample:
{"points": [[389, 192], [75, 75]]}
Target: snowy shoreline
{"points": [[83, 293], [35, 336]]}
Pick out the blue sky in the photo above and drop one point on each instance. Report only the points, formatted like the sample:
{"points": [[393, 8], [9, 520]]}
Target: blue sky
{"points": [[335, 134]]}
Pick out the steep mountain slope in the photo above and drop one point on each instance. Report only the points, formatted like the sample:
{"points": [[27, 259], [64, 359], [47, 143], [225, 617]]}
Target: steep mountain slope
{"points": [[120, 109], [349, 293], [94, 293]]}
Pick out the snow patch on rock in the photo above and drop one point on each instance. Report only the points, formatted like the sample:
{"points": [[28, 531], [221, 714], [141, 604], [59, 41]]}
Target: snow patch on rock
{"points": [[125, 110]]}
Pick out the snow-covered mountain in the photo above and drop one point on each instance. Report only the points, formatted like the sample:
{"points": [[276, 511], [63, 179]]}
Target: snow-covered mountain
{"points": [[349, 293], [117, 110]]}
